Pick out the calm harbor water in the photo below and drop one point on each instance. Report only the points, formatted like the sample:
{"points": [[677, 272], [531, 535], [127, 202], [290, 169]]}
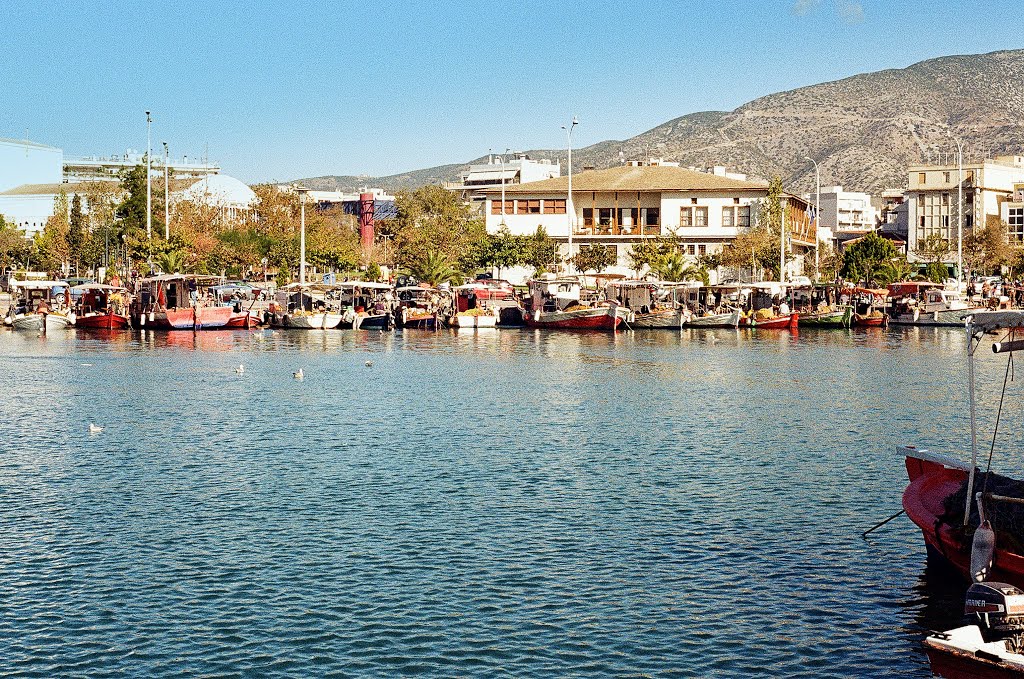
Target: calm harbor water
{"points": [[512, 503]]}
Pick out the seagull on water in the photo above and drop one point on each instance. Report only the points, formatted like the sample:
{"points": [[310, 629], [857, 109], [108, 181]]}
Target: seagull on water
{"points": [[298, 374], [240, 369], [369, 364], [93, 429]]}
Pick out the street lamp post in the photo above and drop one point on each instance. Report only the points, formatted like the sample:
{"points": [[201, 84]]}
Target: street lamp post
{"points": [[570, 210], [503, 187], [149, 189], [167, 196], [817, 215], [302, 233], [960, 211]]}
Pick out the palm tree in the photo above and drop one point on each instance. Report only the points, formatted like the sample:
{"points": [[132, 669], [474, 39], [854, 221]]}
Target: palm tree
{"points": [[436, 269], [674, 267], [172, 261]]}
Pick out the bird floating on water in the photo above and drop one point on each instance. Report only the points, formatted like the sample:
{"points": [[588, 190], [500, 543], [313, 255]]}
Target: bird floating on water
{"points": [[369, 364], [298, 374], [240, 369], [87, 365], [93, 429]]}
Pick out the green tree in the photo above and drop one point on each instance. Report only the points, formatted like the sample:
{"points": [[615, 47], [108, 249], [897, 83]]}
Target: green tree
{"points": [[674, 267], [934, 249], [593, 257], [14, 246], [770, 214], [373, 272], [756, 248], [435, 268], [541, 251], [506, 250], [76, 232], [171, 261], [433, 219], [985, 248], [52, 243], [862, 259]]}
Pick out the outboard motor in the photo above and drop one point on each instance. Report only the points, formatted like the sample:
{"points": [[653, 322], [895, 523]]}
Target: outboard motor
{"points": [[998, 609]]}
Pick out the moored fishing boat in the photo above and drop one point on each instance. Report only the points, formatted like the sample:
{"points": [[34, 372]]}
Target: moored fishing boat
{"points": [[305, 306], [41, 306], [101, 307], [949, 499], [366, 304], [177, 302], [486, 303], [825, 316], [651, 304], [868, 307], [555, 304], [926, 303], [728, 319], [769, 308], [422, 307]]}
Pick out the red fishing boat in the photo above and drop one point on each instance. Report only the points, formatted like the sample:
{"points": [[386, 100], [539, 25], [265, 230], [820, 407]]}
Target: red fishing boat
{"points": [[175, 302], [243, 319], [784, 321], [101, 306], [555, 303], [943, 490]]}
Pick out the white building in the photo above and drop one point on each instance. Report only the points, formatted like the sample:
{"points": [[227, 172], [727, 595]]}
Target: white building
{"points": [[619, 206], [519, 169], [1012, 214], [933, 198], [26, 162], [230, 196], [845, 214], [87, 168]]}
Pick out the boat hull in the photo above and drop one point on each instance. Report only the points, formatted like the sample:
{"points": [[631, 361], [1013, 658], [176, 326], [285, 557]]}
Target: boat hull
{"points": [[319, 321], [729, 320], [930, 483], [103, 322], [466, 321], [599, 318], [42, 322], [669, 318], [832, 319], [372, 321], [777, 323], [417, 320], [952, 662], [242, 319], [870, 321], [946, 318], [188, 318]]}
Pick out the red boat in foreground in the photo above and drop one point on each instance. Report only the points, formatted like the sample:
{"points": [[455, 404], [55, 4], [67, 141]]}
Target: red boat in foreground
{"points": [[556, 303], [172, 302], [243, 319], [776, 322], [101, 307]]}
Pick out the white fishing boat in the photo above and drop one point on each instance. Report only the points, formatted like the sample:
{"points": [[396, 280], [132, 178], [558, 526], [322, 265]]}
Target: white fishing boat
{"points": [[727, 319], [41, 306], [924, 303], [306, 307]]}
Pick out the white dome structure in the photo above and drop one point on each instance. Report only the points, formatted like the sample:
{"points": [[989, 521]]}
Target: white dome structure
{"points": [[229, 195]]}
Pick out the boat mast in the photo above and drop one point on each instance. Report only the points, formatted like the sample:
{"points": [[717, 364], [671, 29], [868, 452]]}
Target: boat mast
{"points": [[971, 346]]}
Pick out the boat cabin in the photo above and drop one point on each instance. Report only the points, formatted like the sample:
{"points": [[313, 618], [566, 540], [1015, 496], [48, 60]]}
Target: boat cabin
{"points": [[174, 291], [484, 294], [32, 295], [554, 294]]}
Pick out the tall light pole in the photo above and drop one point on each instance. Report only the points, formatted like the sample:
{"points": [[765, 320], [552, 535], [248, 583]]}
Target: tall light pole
{"points": [[167, 197], [817, 214], [302, 233], [570, 210], [149, 188], [960, 211], [503, 187]]}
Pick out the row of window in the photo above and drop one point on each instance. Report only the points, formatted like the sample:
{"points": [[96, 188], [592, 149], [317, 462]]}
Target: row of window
{"points": [[732, 215], [1015, 224], [536, 206], [947, 177]]}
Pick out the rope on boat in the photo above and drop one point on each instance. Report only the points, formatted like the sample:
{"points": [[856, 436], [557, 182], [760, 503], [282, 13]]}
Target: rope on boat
{"points": [[882, 523]]}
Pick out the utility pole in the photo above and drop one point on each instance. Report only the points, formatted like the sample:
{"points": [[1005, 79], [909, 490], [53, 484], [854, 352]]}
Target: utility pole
{"points": [[817, 215], [960, 211], [167, 196], [302, 233], [149, 188], [570, 210]]}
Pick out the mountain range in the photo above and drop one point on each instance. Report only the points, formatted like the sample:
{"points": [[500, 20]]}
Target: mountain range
{"points": [[864, 131]]}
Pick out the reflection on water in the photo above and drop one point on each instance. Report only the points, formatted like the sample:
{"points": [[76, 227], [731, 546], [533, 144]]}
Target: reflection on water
{"points": [[516, 501]]}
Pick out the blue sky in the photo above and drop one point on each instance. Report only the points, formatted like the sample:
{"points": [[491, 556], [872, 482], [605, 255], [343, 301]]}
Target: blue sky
{"points": [[286, 89]]}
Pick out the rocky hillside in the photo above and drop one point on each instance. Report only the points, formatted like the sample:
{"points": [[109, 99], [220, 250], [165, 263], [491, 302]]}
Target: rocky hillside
{"points": [[864, 131]]}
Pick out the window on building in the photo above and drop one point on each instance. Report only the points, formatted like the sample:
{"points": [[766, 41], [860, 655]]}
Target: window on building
{"points": [[613, 250], [686, 216], [727, 215], [691, 249], [969, 176], [743, 215], [945, 177], [702, 249], [529, 207], [693, 201], [651, 218], [922, 177], [553, 206], [604, 216], [700, 216], [945, 200], [588, 216], [1015, 225], [496, 207]]}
